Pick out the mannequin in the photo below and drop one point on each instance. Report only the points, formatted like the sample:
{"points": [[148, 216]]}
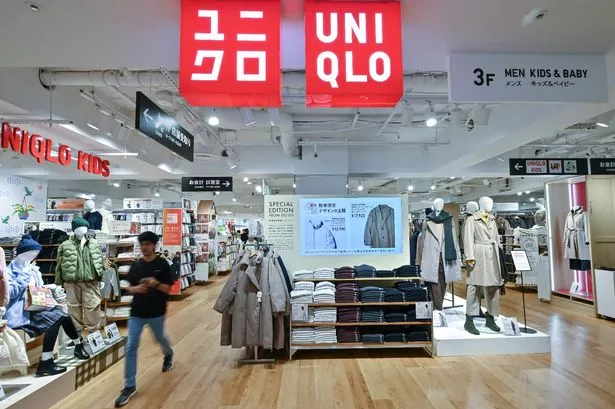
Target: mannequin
{"points": [[576, 241], [540, 217], [438, 253], [481, 245], [93, 217], [23, 273], [107, 216], [80, 270], [471, 208]]}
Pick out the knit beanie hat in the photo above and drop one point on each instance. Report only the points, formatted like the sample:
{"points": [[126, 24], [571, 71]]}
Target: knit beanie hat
{"points": [[27, 243], [79, 222]]}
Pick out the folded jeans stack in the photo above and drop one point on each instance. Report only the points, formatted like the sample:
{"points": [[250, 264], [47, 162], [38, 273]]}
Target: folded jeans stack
{"points": [[371, 294], [326, 273], [301, 297], [304, 286], [303, 274], [411, 316], [416, 294], [407, 285], [347, 293], [395, 337], [384, 274], [407, 271], [348, 314], [394, 295], [325, 335], [348, 334], [325, 314], [418, 336], [344, 273], [303, 335], [372, 338], [324, 296], [372, 315], [365, 271], [396, 316]]}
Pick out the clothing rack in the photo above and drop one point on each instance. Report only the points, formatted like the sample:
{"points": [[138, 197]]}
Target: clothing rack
{"points": [[256, 359]]}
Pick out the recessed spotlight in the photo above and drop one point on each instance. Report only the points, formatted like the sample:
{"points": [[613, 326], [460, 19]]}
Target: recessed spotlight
{"points": [[249, 182], [532, 199], [294, 185], [527, 192], [246, 179], [602, 125], [258, 188], [33, 6], [433, 187], [452, 177], [234, 200], [410, 188], [431, 122], [360, 188], [93, 126], [116, 184], [519, 193]]}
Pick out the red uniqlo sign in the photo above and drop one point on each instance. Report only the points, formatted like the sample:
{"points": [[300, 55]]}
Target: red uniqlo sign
{"points": [[230, 53], [353, 53]]}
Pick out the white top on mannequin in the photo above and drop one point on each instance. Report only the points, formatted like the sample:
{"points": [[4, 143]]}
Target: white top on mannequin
{"points": [[438, 205], [471, 207], [80, 234], [540, 207], [90, 205], [485, 204], [107, 204], [26, 258]]}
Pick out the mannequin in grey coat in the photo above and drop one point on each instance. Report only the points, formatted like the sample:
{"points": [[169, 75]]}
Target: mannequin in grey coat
{"points": [[481, 241]]}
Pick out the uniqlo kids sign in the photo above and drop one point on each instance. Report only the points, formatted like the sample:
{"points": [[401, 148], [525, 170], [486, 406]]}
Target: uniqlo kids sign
{"points": [[230, 53], [353, 53]]}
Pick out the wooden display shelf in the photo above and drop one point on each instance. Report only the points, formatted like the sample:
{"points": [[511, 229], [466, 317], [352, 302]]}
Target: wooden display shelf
{"points": [[121, 259], [339, 280], [362, 345], [360, 324], [116, 319], [365, 304], [118, 304]]}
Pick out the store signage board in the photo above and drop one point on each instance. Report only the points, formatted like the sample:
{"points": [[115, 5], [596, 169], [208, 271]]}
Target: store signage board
{"points": [[548, 166], [44, 151], [113, 333], [142, 204], [521, 261], [96, 341], [154, 122], [518, 77], [300, 313], [424, 310], [511, 327], [230, 53], [65, 204], [602, 166], [172, 227], [353, 53], [506, 207], [207, 184]]}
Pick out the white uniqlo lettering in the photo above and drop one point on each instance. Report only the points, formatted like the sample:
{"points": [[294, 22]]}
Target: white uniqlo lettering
{"points": [[217, 55], [260, 56], [354, 30], [213, 35]]}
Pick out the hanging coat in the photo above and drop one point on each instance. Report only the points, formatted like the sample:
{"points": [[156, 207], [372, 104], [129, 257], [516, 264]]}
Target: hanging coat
{"points": [[380, 228], [575, 236], [481, 243], [431, 250]]}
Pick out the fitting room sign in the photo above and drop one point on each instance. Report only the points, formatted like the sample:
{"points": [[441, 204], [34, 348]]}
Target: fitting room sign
{"points": [[548, 166], [517, 77], [230, 53], [152, 121], [207, 184], [42, 149], [602, 166], [353, 53]]}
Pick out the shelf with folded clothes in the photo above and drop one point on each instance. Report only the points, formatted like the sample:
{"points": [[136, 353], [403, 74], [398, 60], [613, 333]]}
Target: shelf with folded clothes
{"points": [[361, 324], [363, 345], [365, 304], [340, 280]]}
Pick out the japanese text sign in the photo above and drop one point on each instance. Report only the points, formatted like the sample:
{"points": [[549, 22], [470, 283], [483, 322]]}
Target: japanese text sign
{"points": [[230, 53], [353, 53]]}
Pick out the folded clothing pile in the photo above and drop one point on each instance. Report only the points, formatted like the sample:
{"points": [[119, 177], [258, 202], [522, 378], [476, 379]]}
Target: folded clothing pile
{"points": [[372, 315], [395, 316], [348, 334], [304, 286], [371, 294], [407, 285], [325, 335], [407, 271], [395, 336], [384, 273], [345, 272], [416, 294], [324, 272], [411, 316], [348, 314], [370, 336], [301, 297], [325, 314], [303, 274], [304, 335], [394, 295], [347, 293], [325, 285], [365, 271], [417, 336], [124, 268], [324, 296]]}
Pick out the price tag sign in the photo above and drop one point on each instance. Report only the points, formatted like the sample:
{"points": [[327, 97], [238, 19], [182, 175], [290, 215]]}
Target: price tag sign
{"points": [[112, 333], [424, 310], [96, 341], [511, 327], [300, 313], [522, 263]]}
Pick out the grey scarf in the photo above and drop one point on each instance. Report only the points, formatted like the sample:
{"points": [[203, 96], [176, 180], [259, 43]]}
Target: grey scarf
{"points": [[450, 254]]}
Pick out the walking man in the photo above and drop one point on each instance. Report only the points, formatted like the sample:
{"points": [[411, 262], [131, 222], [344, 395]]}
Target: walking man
{"points": [[150, 283]]}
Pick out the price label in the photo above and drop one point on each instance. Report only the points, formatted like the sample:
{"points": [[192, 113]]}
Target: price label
{"points": [[424, 310], [511, 327], [112, 333], [300, 312], [96, 341]]}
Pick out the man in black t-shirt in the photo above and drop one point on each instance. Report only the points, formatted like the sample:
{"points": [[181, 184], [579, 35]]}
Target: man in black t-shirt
{"points": [[150, 283]]}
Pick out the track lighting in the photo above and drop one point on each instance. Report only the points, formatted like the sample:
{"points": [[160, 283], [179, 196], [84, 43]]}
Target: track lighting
{"points": [[94, 127], [213, 119], [360, 187], [430, 116], [602, 125], [157, 192]]}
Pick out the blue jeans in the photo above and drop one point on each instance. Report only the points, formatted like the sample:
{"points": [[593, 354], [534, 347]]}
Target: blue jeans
{"points": [[135, 328]]}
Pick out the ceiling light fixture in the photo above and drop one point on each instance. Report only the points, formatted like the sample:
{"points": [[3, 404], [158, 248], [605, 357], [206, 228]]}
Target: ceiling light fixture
{"points": [[433, 187], [116, 184], [33, 6], [532, 199], [294, 185], [602, 125], [234, 200], [213, 119], [519, 193], [232, 166], [249, 182], [246, 179], [360, 187], [430, 116], [217, 193], [452, 177], [258, 188], [527, 192], [157, 192], [410, 188], [93, 126]]}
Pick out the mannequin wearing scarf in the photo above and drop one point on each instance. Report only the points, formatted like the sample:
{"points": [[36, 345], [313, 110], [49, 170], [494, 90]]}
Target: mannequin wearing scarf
{"points": [[438, 253]]}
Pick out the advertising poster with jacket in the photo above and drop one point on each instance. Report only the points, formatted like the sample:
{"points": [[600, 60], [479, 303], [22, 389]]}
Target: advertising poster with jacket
{"points": [[351, 226]]}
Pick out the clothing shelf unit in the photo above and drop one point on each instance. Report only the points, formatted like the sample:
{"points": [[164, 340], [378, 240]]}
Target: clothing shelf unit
{"points": [[377, 281], [110, 308], [188, 254]]}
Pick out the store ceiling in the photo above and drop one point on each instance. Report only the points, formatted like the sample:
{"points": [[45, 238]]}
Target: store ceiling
{"points": [[378, 149]]}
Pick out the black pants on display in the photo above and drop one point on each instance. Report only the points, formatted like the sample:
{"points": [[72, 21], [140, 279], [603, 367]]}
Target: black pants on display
{"points": [[49, 339], [438, 290]]}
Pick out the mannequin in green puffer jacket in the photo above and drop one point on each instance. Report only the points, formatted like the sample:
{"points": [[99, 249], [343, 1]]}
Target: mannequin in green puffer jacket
{"points": [[79, 270]]}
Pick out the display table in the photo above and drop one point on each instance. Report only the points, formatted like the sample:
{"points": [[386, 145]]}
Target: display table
{"points": [[605, 292]]}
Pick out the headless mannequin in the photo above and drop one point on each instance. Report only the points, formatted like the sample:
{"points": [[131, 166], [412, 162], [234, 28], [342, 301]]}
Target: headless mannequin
{"points": [[47, 365], [92, 216], [471, 208], [107, 216], [481, 242], [540, 217]]}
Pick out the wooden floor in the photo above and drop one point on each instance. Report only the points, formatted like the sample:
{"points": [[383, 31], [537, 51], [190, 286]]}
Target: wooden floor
{"points": [[580, 373]]}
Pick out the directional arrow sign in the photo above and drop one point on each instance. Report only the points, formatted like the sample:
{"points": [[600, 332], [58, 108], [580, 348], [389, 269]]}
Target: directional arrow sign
{"points": [[147, 116], [548, 166], [207, 184]]}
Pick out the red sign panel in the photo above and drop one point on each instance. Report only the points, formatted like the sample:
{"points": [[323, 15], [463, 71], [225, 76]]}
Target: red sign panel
{"points": [[230, 53], [353, 53], [172, 227], [19, 140]]}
